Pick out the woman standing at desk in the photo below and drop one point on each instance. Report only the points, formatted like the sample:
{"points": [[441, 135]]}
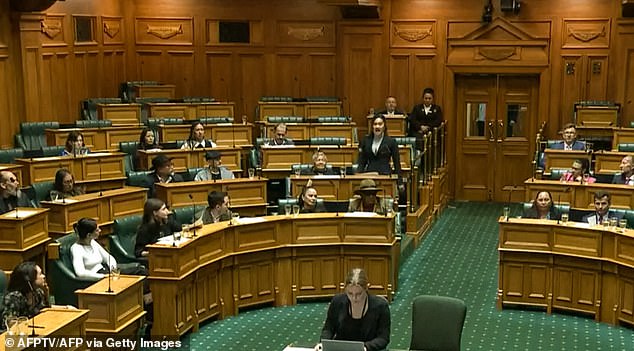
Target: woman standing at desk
{"points": [[74, 144], [543, 207], [357, 315], [377, 148], [158, 221], [64, 186]]}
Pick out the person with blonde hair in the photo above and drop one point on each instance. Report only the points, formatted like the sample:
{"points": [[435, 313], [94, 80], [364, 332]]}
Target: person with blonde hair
{"points": [[357, 315], [319, 165]]}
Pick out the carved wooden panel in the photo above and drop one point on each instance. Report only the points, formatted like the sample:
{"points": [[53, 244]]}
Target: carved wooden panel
{"points": [[164, 31], [53, 31], [256, 29], [586, 33], [305, 34], [112, 30], [413, 34]]}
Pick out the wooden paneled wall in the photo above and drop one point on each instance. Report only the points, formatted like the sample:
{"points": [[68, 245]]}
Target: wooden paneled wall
{"points": [[305, 48]]}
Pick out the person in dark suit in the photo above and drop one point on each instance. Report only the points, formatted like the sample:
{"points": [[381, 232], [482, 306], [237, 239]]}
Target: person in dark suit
{"points": [[158, 221], [424, 117], [602, 213], [627, 173], [391, 108], [543, 207], [10, 194], [319, 165], [163, 172], [569, 142], [377, 148]]}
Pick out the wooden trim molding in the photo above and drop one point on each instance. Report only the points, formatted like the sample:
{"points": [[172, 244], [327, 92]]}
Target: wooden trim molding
{"points": [[586, 33], [164, 31], [408, 33]]}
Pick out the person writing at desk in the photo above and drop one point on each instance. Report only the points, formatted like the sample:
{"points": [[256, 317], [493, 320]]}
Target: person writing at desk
{"points": [[157, 222], [543, 207], [627, 173], [602, 213], [579, 173], [319, 165], [357, 315], [377, 148], [280, 136], [10, 194], [214, 169], [197, 138], [74, 145], [366, 199], [64, 186], [27, 292]]}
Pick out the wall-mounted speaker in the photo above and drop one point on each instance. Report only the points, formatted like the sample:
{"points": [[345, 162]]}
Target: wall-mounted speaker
{"points": [[31, 5], [360, 12], [510, 6]]}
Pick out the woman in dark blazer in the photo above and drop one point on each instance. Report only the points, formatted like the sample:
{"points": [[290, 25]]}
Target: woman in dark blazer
{"points": [[543, 207], [424, 117], [377, 148]]}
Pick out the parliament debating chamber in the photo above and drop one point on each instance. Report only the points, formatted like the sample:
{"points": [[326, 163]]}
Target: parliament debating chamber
{"points": [[273, 87]]}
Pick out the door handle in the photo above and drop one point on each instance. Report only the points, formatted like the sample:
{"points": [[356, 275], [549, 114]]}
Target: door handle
{"points": [[491, 133], [500, 130]]}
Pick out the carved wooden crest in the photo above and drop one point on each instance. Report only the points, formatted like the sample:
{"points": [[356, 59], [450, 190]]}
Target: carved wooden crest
{"points": [[165, 31], [496, 53], [306, 33], [412, 35], [51, 27], [586, 35], [111, 29]]}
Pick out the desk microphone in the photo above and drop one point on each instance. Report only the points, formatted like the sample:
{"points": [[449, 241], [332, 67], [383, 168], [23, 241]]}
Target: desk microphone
{"points": [[343, 154], [191, 197], [508, 204], [100, 175], [32, 326], [109, 273], [233, 133]]}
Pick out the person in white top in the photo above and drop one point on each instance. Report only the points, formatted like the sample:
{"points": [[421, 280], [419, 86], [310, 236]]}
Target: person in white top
{"points": [[90, 260], [197, 138]]}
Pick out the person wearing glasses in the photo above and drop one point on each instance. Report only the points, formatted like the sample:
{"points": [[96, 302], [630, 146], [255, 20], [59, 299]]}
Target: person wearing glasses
{"points": [[64, 186], [10, 194]]}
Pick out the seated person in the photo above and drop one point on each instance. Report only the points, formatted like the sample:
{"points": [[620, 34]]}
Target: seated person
{"points": [[157, 222], [10, 194], [579, 173], [625, 177], [214, 169], [357, 315], [367, 201], [64, 186], [197, 138], [319, 165], [218, 209], [74, 145], [602, 201], [569, 141], [90, 260], [27, 292], [147, 141], [163, 172], [308, 201], [390, 108], [280, 136], [543, 207]]}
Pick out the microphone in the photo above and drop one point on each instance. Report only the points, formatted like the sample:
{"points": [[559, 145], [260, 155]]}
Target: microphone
{"points": [[191, 197], [342, 171], [233, 134], [109, 273], [100, 175], [508, 204], [33, 326]]}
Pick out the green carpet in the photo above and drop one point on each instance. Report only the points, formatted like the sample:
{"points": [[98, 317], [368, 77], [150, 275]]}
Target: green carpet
{"points": [[457, 258]]}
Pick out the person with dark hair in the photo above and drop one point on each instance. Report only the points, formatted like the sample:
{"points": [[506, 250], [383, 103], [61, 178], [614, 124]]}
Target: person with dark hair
{"points": [[424, 116], [280, 138], [162, 172], [214, 170], [543, 207], [319, 165], [602, 213], [90, 260], [10, 194], [627, 172], [196, 138], [64, 186], [218, 209], [569, 142], [377, 148], [308, 201], [391, 108], [74, 144], [147, 141], [27, 292], [157, 222], [357, 315], [579, 172]]}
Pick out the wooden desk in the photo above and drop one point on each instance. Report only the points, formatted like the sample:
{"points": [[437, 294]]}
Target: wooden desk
{"points": [[304, 109], [580, 196], [67, 324], [396, 125], [608, 162], [105, 208], [336, 188], [248, 196], [275, 259], [24, 237], [155, 91], [13, 168], [563, 158], [116, 313], [188, 158], [102, 167], [622, 136], [570, 267], [229, 135], [191, 110], [120, 114], [107, 138]]}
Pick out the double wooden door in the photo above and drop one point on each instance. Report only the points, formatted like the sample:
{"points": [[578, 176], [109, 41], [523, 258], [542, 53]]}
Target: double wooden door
{"points": [[496, 126]]}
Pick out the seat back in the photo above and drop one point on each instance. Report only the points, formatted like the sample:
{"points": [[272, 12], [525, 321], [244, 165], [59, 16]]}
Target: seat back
{"points": [[288, 201], [328, 141], [322, 99], [557, 173], [130, 148], [305, 166], [63, 276], [9, 155], [123, 239], [138, 178], [284, 119], [191, 173], [41, 191], [333, 119], [190, 99], [216, 119], [627, 147], [276, 99], [562, 208], [437, 323], [184, 215], [93, 123], [50, 151], [33, 135]]}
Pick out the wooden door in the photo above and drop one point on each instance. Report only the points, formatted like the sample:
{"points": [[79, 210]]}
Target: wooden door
{"points": [[497, 119]]}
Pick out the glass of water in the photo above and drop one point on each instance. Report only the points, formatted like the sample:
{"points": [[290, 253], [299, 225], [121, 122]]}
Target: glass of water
{"points": [[623, 224], [564, 218], [287, 209], [614, 222], [295, 210], [506, 212]]}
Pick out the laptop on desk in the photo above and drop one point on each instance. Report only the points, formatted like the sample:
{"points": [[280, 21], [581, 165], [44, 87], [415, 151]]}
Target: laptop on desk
{"points": [[341, 345]]}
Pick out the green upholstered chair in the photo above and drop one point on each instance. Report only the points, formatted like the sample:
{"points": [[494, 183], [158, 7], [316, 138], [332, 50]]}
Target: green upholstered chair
{"points": [[254, 157], [3, 289], [333, 119], [126, 89], [9, 155], [194, 99], [304, 166], [50, 151], [291, 201], [153, 123], [628, 147], [556, 173], [284, 119], [184, 215], [32, 135], [191, 173], [89, 107], [41, 191], [215, 119], [129, 148], [322, 99], [138, 178], [562, 208], [328, 141], [63, 277], [408, 141], [276, 99], [90, 123], [123, 238], [437, 323]]}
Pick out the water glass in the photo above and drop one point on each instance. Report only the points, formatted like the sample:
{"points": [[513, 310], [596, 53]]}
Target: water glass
{"points": [[185, 230], [23, 325], [251, 173], [342, 171], [614, 222], [12, 325], [235, 217], [295, 210], [506, 212], [297, 172], [623, 224], [287, 209], [564, 218], [115, 273]]}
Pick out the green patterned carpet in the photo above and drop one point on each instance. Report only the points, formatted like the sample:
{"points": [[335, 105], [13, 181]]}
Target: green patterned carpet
{"points": [[457, 258]]}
